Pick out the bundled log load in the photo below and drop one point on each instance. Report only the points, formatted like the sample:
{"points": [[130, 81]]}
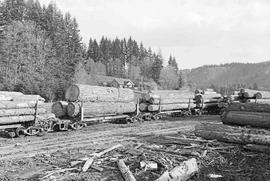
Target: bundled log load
{"points": [[88, 93], [22, 108], [93, 101], [248, 95], [18, 96], [209, 101], [25, 118], [167, 100], [166, 96]]}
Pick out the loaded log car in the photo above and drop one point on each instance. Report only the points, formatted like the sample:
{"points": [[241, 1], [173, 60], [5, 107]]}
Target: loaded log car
{"points": [[88, 104], [21, 114]]}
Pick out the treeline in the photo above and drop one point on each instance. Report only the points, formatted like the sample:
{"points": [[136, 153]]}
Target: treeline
{"points": [[128, 59], [41, 49]]}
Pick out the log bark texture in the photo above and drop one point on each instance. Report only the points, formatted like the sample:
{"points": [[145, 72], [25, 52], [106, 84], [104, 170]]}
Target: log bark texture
{"points": [[5, 98], [260, 101], [88, 93], [18, 104], [26, 118], [19, 112], [28, 98], [10, 94], [60, 109], [169, 107], [169, 94], [16, 119], [249, 107], [170, 100], [92, 109], [232, 134], [243, 118]]}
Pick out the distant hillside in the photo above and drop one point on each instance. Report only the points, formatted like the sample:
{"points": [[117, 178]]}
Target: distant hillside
{"points": [[233, 74]]}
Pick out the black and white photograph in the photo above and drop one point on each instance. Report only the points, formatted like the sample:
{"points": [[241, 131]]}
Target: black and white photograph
{"points": [[134, 90]]}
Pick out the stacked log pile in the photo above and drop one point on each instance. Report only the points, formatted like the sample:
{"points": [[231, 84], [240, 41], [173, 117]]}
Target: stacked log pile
{"points": [[249, 95], [16, 107], [246, 115], [93, 101], [166, 100]]}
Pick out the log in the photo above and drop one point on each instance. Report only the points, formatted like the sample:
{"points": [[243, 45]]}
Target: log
{"points": [[169, 100], [16, 119], [91, 109], [10, 93], [59, 109], [28, 98], [249, 107], [88, 93], [43, 117], [126, 173], [169, 94], [19, 112], [264, 94], [168, 107], [258, 148], [244, 118], [5, 98], [19, 104], [260, 101], [232, 134], [182, 172], [25, 118], [90, 161], [143, 107]]}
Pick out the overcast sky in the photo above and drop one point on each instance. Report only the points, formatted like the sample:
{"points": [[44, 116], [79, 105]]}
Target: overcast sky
{"points": [[196, 32]]}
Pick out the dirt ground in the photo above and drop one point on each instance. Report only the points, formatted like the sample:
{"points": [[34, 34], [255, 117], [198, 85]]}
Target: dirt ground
{"points": [[34, 158]]}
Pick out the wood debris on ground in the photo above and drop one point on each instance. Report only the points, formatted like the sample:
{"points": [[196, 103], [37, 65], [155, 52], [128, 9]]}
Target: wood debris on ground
{"points": [[182, 156]]}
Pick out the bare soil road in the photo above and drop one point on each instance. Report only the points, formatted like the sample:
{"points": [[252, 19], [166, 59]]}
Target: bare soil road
{"points": [[43, 158], [20, 157]]}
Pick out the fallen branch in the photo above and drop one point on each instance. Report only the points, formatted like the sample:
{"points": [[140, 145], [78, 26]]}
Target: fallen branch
{"points": [[58, 171], [126, 173], [90, 161]]}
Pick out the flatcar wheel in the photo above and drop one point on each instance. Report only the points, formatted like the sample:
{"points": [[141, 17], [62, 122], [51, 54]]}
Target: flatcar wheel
{"points": [[11, 133], [76, 126], [20, 132], [31, 131]]}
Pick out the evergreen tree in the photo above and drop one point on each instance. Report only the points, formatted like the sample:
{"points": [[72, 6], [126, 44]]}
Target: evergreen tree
{"points": [[172, 62], [157, 66]]}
